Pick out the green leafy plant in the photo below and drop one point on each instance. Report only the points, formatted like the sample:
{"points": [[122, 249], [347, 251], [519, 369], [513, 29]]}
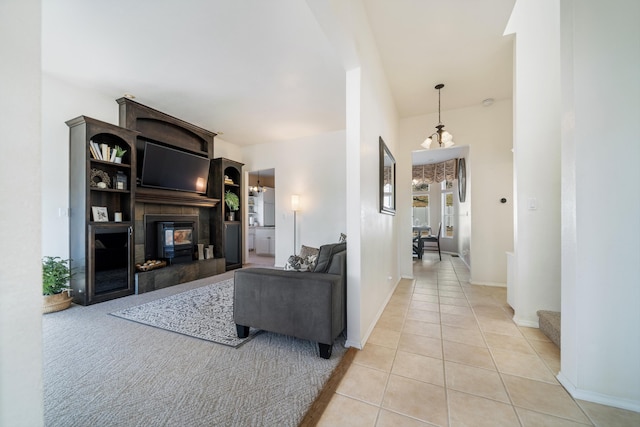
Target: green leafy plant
{"points": [[120, 151], [55, 275], [232, 200]]}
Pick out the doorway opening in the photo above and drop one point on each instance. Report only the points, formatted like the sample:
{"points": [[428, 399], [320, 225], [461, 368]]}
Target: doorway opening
{"points": [[435, 199], [261, 217]]}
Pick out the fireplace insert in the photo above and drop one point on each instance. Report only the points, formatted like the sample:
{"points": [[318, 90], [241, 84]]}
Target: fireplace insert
{"points": [[176, 241]]}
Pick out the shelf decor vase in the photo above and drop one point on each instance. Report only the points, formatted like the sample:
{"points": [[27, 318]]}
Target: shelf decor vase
{"points": [[200, 251]]}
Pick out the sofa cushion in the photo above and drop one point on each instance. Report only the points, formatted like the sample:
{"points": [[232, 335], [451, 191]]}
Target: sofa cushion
{"points": [[326, 253]]}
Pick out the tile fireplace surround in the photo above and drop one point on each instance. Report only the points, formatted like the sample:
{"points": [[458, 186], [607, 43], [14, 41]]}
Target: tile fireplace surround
{"points": [[146, 215]]}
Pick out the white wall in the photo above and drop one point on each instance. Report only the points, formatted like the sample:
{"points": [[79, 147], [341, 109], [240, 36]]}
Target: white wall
{"points": [[536, 158], [355, 336], [491, 171], [373, 255], [315, 169], [222, 148], [485, 226], [371, 114], [21, 399], [378, 233], [601, 150], [62, 101]]}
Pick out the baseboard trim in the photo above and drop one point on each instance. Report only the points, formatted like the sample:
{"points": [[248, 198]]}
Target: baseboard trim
{"points": [[353, 344], [464, 261], [360, 345], [494, 284], [602, 399], [526, 322]]}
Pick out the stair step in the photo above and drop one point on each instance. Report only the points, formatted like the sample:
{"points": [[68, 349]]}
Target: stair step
{"points": [[550, 325]]}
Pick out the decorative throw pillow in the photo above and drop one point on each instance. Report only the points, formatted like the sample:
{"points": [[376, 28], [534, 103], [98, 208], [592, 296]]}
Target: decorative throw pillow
{"points": [[312, 260], [343, 238], [306, 251], [298, 263]]}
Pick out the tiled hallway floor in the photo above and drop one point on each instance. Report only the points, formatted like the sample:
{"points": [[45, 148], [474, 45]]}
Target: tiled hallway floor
{"points": [[447, 353], [259, 260]]}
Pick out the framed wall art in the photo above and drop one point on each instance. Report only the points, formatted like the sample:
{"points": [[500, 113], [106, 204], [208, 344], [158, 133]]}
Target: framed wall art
{"points": [[387, 180], [462, 180]]}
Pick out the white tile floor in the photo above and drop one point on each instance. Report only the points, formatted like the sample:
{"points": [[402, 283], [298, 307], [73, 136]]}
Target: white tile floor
{"points": [[447, 353]]}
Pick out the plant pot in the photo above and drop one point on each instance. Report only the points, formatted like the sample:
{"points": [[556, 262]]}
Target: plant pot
{"points": [[56, 302], [118, 160], [232, 216]]}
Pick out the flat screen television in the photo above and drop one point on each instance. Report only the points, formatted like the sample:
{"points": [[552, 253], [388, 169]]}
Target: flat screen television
{"points": [[171, 169]]}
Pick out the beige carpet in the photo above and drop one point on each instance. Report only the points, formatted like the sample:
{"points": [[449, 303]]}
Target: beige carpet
{"points": [[101, 370]]}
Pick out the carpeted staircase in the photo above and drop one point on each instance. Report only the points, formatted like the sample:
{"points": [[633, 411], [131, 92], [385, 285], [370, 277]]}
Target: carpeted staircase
{"points": [[550, 325]]}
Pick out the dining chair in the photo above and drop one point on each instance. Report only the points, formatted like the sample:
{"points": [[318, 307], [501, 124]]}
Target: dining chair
{"points": [[434, 241], [418, 234]]}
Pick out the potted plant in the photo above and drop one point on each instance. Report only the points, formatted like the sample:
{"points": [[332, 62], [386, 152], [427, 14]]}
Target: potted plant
{"points": [[55, 278], [233, 203], [119, 154]]}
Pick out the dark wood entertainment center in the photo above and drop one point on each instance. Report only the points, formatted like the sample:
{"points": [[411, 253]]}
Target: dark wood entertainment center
{"points": [[105, 251]]}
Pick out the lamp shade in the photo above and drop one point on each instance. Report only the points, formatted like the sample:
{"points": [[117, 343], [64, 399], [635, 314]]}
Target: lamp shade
{"points": [[295, 202]]}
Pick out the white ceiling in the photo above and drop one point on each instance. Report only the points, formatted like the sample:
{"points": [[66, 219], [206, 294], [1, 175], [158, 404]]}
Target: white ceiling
{"points": [[260, 71]]}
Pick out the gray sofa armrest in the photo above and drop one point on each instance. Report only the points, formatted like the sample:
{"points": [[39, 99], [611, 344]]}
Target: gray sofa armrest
{"points": [[305, 305]]}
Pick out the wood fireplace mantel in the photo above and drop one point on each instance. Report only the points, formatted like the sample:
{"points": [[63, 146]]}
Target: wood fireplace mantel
{"points": [[168, 197]]}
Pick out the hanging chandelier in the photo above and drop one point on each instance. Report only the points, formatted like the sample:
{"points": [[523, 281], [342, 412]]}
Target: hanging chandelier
{"points": [[444, 138], [258, 188]]}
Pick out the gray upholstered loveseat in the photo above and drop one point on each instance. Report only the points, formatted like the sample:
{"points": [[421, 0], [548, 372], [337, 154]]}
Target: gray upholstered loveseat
{"points": [[306, 305]]}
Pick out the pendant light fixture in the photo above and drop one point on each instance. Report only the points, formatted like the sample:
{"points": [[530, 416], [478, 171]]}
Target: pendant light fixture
{"points": [[444, 138], [258, 188]]}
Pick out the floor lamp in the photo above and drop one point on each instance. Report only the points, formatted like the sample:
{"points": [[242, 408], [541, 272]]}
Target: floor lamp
{"points": [[295, 206]]}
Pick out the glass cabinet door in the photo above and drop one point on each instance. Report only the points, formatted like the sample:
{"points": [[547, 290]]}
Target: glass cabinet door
{"points": [[110, 262], [233, 244]]}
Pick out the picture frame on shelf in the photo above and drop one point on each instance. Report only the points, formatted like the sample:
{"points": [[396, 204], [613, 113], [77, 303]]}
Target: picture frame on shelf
{"points": [[100, 213]]}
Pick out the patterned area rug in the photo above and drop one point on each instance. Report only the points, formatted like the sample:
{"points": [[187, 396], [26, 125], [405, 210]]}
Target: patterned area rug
{"points": [[205, 313]]}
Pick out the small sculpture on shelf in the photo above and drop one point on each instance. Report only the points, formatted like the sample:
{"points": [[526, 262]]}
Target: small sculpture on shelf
{"points": [[99, 178]]}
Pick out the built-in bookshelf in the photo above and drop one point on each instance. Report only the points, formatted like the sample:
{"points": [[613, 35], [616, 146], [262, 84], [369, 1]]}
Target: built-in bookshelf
{"points": [[115, 214], [226, 175], [102, 199]]}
